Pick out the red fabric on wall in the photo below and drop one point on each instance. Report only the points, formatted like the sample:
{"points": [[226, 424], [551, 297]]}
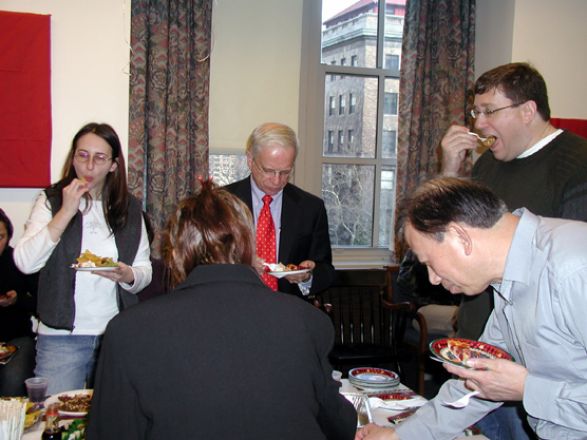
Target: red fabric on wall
{"points": [[577, 126], [25, 100]]}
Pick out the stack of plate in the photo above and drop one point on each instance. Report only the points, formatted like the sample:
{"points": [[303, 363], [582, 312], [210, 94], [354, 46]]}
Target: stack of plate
{"points": [[373, 379]]}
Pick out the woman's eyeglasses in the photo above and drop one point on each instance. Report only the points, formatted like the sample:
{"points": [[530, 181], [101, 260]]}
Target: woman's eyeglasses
{"points": [[99, 159]]}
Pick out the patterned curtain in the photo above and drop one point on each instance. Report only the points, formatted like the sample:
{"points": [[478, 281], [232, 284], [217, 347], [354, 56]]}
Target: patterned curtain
{"points": [[436, 74], [170, 70]]}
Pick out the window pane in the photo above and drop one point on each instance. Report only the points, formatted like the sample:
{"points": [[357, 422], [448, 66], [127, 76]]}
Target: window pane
{"points": [[348, 193], [392, 48], [386, 205], [362, 93], [227, 168], [353, 21], [389, 143]]}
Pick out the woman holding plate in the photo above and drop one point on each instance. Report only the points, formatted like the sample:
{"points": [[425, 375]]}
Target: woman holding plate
{"points": [[89, 208]]}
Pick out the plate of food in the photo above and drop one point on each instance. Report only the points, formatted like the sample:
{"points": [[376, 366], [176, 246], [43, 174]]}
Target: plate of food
{"points": [[74, 403], [458, 351], [7, 350], [90, 262], [280, 270]]}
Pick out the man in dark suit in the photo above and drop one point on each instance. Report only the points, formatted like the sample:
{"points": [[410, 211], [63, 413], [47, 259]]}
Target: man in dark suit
{"points": [[300, 218], [221, 356]]}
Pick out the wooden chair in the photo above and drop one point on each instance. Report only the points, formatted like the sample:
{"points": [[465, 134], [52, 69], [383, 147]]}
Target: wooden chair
{"points": [[362, 325], [403, 314]]}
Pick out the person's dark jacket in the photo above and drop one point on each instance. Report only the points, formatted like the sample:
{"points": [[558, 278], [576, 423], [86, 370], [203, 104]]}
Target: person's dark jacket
{"points": [[304, 233], [220, 357]]}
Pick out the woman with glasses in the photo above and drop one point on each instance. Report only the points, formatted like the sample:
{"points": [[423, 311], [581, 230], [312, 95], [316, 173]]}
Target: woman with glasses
{"points": [[90, 208]]}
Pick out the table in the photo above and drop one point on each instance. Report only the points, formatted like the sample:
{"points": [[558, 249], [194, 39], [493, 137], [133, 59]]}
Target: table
{"points": [[380, 415]]}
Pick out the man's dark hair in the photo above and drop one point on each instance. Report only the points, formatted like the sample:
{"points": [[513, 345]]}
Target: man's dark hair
{"points": [[520, 82], [441, 201]]}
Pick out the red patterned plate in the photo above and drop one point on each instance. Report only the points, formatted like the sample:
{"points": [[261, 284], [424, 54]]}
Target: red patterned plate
{"points": [[373, 377], [458, 351], [396, 396]]}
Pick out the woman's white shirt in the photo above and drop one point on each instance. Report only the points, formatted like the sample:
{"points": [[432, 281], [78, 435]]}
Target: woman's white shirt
{"points": [[95, 296]]}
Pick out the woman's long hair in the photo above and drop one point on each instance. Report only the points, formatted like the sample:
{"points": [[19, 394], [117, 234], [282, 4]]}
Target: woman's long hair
{"points": [[115, 195], [211, 227]]}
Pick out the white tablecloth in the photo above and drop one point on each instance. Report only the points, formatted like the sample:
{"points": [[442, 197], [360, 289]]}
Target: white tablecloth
{"points": [[380, 415]]}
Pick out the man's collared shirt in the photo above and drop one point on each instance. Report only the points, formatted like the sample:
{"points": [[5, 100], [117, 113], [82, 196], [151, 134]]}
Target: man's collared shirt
{"points": [[539, 318]]}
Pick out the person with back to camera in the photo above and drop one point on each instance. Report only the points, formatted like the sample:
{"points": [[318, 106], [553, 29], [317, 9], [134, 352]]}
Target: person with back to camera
{"points": [[90, 208], [299, 218], [222, 356], [529, 164], [17, 305], [537, 267]]}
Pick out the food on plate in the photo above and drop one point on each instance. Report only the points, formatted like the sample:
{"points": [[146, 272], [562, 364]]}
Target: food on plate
{"points": [[88, 259], [461, 351], [6, 350], [75, 403], [32, 415], [280, 267], [75, 431]]}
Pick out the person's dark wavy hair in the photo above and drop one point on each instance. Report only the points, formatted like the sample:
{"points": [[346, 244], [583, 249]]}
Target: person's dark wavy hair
{"points": [[9, 228], [520, 82], [438, 202], [115, 195], [211, 227]]}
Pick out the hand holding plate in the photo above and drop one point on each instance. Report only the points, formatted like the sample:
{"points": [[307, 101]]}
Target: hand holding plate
{"points": [[305, 276], [496, 379], [121, 274]]}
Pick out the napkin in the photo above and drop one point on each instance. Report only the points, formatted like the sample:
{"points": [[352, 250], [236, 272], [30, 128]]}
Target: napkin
{"points": [[12, 414]]}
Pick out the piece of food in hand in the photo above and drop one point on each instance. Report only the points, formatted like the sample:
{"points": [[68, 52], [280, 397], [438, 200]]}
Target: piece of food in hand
{"points": [[88, 259], [487, 141]]}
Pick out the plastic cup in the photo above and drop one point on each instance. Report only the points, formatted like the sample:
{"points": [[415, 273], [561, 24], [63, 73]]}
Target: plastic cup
{"points": [[36, 388]]}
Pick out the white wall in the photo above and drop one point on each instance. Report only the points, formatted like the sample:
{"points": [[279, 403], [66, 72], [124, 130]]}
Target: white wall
{"points": [[550, 35], [255, 68], [255, 65], [89, 78]]}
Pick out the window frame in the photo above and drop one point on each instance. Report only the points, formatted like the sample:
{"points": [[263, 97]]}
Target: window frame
{"points": [[313, 74]]}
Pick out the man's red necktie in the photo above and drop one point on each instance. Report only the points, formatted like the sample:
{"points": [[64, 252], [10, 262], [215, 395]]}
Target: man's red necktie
{"points": [[266, 240]]}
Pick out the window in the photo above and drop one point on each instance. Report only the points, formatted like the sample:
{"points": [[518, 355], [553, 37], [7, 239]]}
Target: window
{"points": [[331, 105], [389, 142], [340, 140], [341, 104], [227, 168], [392, 61], [390, 104], [330, 140], [356, 183]]}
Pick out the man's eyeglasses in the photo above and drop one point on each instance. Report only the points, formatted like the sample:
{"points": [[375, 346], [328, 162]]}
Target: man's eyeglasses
{"points": [[99, 159], [273, 173], [487, 113]]}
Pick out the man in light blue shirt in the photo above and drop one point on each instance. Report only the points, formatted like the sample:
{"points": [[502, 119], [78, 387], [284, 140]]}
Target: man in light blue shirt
{"points": [[537, 267]]}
